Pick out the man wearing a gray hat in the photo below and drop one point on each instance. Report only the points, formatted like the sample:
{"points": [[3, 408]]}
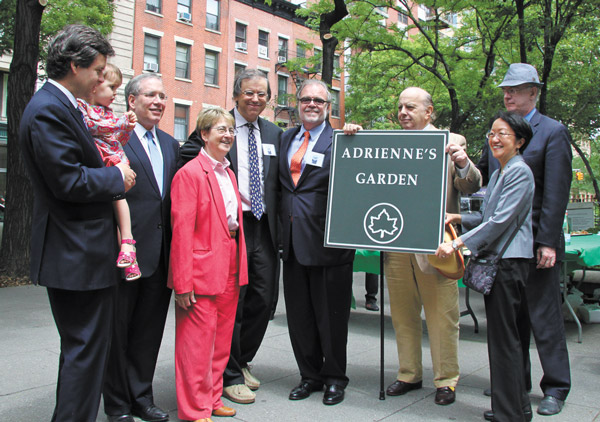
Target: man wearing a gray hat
{"points": [[549, 157]]}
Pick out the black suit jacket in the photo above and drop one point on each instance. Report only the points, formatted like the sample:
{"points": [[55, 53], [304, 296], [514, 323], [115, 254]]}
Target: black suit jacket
{"points": [[151, 213], [304, 206], [74, 238], [269, 134], [549, 157]]}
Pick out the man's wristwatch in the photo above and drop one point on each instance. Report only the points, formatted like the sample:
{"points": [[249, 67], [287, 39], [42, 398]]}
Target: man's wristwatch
{"points": [[455, 245]]}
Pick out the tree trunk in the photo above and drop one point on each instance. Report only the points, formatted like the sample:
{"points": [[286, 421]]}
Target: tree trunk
{"points": [[588, 167], [14, 256], [328, 40], [521, 23]]}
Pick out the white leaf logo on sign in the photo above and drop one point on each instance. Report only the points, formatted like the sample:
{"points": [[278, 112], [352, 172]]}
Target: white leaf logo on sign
{"points": [[383, 223]]}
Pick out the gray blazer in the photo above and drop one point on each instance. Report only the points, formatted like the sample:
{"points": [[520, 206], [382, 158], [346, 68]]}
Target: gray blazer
{"points": [[507, 202]]}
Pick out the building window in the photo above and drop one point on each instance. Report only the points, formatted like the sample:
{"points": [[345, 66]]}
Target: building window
{"points": [[180, 131], [282, 90], [424, 12], [282, 53], [184, 10], [182, 61], [240, 37], [211, 67], [402, 19], [238, 67], [335, 104], [300, 51], [263, 44], [337, 71], [319, 60], [153, 6], [151, 53], [212, 14]]}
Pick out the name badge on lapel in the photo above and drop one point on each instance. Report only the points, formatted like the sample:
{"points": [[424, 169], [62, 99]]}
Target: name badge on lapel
{"points": [[314, 159], [269, 149]]}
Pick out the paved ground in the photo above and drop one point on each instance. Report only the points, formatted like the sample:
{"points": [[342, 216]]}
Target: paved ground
{"points": [[29, 347]]}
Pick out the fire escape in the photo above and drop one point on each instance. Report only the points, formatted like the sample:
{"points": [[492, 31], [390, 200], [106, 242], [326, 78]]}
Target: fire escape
{"points": [[283, 105]]}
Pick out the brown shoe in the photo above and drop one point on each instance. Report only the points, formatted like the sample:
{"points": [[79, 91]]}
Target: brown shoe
{"points": [[204, 420], [224, 411], [399, 388], [445, 395]]}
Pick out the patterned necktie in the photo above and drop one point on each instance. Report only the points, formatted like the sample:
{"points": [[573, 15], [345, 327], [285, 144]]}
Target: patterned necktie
{"points": [[296, 162], [256, 203], [155, 159]]}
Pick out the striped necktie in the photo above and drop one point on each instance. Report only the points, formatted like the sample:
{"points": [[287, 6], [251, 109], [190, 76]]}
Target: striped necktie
{"points": [[256, 202]]}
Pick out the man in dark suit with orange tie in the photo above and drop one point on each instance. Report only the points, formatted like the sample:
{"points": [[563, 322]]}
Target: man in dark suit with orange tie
{"points": [[74, 235], [317, 280], [143, 303]]}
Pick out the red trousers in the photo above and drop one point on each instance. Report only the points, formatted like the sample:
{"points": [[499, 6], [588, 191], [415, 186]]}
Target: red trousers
{"points": [[202, 345]]}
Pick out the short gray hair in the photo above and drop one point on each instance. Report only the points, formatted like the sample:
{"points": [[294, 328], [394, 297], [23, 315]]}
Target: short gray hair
{"points": [[133, 86], [308, 82], [249, 74]]}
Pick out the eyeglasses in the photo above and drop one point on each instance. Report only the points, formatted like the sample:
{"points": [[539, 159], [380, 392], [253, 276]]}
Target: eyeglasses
{"points": [[222, 130], [152, 95], [513, 90], [308, 100], [251, 94], [499, 135]]}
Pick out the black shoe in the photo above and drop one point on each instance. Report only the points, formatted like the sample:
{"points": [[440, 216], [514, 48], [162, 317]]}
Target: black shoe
{"points": [[334, 394], [399, 388], [304, 390], [445, 396], [488, 415], [550, 406], [120, 418], [487, 392], [151, 413], [371, 305]]}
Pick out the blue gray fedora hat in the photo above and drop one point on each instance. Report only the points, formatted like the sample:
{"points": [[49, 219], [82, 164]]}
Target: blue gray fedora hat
{"points": [[519, 74]]}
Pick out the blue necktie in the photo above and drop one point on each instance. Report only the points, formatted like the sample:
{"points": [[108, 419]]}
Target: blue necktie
{"points": [[155, 159], [256, 203]]}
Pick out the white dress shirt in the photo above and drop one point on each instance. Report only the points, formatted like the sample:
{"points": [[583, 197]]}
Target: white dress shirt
{"points": [[243, 166], [227, 190]]}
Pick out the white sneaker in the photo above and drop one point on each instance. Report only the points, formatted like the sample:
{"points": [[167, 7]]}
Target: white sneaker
{"points": [[239, 393], [250, 380]]}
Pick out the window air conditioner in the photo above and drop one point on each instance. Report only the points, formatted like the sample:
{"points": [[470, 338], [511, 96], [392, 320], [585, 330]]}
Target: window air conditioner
{"points": [[151, 67], [183, 16]]}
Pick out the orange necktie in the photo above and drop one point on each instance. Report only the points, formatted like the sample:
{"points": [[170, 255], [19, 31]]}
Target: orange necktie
{"points": [[296, 162]]}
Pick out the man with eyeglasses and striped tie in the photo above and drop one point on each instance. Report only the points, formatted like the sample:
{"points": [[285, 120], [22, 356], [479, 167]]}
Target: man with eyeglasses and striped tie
{"points": [[317, 281], [143, 304]]}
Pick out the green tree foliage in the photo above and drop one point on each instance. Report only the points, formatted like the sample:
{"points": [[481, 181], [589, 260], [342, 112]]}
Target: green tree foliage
{"points": [[58, 13], [462, 65]]}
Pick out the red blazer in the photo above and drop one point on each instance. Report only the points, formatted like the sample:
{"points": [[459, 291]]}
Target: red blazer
{"points": [[200, 252]]}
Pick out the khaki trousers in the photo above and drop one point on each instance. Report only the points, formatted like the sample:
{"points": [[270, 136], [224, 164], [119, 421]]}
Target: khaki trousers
{"points": [[410, 290]]}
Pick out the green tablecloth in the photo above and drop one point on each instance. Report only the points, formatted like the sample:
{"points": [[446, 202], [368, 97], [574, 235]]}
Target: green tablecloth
{"points": [[584, 250], [366, 261]]}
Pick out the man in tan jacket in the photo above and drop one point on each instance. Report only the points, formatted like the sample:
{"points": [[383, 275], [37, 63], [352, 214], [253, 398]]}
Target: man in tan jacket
{"points": [[414, 284]]}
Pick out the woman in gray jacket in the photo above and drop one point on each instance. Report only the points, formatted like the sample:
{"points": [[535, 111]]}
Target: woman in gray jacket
{"points": [[506, 205]]}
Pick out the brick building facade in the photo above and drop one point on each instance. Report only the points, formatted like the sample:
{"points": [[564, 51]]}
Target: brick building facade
{"points": [[198, 46]]}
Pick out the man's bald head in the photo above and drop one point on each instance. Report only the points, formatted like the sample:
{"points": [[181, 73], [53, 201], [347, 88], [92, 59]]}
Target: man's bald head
{"points": [[415, 108]]}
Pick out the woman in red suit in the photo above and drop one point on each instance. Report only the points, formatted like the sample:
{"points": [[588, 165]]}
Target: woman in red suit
{"points": [[208, 266]]}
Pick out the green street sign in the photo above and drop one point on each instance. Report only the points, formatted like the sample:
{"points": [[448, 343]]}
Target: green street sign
{"points": [[387, 190]]}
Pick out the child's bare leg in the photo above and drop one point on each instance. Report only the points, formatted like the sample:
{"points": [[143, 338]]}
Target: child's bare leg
{"points": [[124, 220]]}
